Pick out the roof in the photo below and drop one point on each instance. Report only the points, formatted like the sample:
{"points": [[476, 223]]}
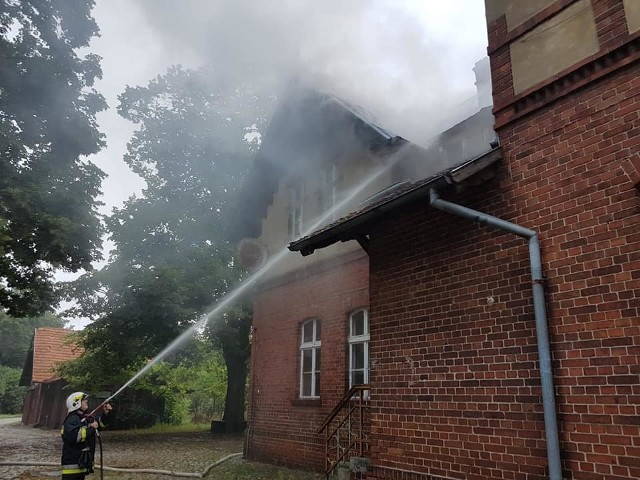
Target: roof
{"points": [[357, 225], [307, 128], [49, 346]]}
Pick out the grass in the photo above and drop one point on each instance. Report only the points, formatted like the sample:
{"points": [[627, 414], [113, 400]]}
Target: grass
{"points": [[10, 415], [182, 428]]}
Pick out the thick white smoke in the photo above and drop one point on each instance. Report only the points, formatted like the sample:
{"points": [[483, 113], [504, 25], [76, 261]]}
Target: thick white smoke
{"points": [[408, 61]]}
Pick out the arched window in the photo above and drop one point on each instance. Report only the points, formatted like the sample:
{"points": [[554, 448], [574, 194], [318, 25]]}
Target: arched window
{"points": [[310, 359], [359, 348]]}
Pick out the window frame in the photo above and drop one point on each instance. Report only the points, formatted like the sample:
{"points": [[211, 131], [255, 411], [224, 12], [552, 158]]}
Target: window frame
{"points": [[329, 189], [363, 339], [295, 207], [315, 346]]}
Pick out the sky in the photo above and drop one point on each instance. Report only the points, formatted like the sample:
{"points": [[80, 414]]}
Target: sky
{"points": [[409, 62]]}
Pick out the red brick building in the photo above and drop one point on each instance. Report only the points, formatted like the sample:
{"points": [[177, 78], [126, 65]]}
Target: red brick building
{"points": [[466, 382], [310, 341], [316, 148], [283, 419]]}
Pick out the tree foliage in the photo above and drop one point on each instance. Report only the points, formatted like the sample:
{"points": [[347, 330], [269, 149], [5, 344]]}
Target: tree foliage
{"points": [[48, 188], [192, 385], [193, 388], [16, 335], [11, 395], [171, 260]]}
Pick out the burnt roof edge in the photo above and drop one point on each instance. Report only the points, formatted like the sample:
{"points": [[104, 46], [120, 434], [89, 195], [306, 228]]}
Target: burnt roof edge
{"points": [[238, 229], [353, 226]]}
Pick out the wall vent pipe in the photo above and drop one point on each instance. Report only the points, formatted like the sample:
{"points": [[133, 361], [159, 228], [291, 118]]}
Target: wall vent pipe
{"points": [[542, 334]]}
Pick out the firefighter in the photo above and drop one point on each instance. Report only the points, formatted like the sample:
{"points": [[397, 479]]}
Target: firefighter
{"points": [[79, 437]]}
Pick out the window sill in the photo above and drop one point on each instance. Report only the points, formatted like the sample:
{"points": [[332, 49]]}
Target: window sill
{"points": [[307, 402]]}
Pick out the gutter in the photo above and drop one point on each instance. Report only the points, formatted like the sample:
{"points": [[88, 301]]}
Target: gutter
{"points": [[542, 334]]}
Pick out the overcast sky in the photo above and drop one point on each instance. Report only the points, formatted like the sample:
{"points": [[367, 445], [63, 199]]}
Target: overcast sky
{"points": [[408, 61]]}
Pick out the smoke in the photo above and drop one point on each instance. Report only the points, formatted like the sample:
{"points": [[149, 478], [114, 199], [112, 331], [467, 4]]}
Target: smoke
{"points": [[411, 69]]}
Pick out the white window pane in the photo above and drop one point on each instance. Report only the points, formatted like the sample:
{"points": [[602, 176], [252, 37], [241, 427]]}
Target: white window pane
{"points": [[306, 384], [307, 366], [367, 362], [307, 332], [298, 212], [290, 225], [310, 359], [358, 377], [357, 324], [296, 199], [357, 356]]}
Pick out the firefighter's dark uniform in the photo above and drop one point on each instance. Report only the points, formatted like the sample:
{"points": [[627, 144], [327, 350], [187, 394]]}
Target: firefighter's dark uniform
{"points": [[76, 436]]}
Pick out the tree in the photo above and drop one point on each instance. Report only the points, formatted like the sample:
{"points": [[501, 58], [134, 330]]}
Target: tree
{"points": [[48, 188], [16, 335], [192, 384], [171, 259], [11, 395], [232, 332]]}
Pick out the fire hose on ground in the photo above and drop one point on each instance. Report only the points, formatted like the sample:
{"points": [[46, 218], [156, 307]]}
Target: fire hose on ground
{"points": [[171, 473]]}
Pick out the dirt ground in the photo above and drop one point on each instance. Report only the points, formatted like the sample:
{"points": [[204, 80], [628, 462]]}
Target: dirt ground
{"points": [[183, 452]]}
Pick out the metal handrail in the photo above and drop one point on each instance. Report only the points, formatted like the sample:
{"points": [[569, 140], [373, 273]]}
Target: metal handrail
{"points": [[335, 430], [341, 404], [354, 439]]}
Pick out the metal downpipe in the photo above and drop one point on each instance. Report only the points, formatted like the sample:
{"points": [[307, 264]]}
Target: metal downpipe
{"points": [[542, 333]]}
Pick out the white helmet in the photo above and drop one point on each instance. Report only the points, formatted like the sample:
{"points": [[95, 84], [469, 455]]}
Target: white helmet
{"points": [[74, 401]]}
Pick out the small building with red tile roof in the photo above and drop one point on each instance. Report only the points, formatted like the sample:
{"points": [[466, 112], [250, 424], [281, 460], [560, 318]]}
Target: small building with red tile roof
{"points": [[44, 403]]}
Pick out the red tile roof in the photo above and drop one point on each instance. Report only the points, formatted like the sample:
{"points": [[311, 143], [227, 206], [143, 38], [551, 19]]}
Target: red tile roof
{"points": [[51, 346]]}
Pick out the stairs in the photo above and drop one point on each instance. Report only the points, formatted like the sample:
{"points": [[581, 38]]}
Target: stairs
{"points": [[346, 429]]}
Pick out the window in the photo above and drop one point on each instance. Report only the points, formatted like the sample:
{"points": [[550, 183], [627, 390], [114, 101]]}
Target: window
{"points": [[329, 187], [310, 359], [296, 196], [358, 348]]}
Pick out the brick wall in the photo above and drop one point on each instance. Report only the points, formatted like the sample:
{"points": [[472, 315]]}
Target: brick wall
{"points": [[455, 382], [455, 392], [281, 427], [578, 183]]}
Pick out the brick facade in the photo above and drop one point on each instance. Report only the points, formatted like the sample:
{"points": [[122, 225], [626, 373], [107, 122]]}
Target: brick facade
{"points": [[455, 392], [455, 380], [282, 427], [579, 183]]}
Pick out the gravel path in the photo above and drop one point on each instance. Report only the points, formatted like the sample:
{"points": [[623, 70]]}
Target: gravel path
{"points": [[8, 420], [186, 452]]}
